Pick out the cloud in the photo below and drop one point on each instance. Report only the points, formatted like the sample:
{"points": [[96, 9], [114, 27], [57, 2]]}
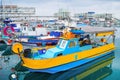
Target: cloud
{"points": [[108, 0]]}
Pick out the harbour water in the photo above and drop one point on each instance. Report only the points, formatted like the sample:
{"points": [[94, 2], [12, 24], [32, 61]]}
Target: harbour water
{"points": [[116, 64], [112, 73]]}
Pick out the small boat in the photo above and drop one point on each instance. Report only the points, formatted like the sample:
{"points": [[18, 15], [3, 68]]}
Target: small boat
{"points": [[38, 36], [77, 47], [50, 39]]}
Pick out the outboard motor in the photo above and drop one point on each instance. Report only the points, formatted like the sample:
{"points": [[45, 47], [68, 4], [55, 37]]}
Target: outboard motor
{"points": [[27, 53]]}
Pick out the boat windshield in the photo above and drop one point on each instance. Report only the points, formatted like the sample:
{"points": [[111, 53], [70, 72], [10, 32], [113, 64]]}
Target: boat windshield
{"points": [[63, 44]]}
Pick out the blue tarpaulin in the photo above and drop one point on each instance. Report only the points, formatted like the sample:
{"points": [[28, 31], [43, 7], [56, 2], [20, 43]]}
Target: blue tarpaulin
{"points": [[13, 25], [77, 31]]}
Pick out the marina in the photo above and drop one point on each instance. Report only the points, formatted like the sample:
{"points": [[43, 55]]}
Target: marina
{"points": [[69, 43], [6, 68], [23, 75]]}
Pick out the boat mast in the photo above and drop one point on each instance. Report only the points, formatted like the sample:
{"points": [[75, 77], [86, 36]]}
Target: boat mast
{"points": [[114, 37]]}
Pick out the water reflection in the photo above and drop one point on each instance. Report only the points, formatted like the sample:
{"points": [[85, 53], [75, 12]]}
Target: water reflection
{"points": [[98, 75], [95, 72]]}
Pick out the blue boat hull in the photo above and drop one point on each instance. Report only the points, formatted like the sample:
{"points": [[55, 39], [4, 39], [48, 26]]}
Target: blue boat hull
{"points": [[90, 61]]}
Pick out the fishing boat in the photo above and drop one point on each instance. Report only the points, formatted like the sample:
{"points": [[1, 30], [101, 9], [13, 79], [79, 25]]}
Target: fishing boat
{"points": [[38, 36], [50, 39], [79, 46]]}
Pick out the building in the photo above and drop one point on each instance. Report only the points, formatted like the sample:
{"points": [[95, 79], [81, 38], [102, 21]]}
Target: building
{"points": [[87, 15], [92, 15], [105, 16], [16, 13], [62, 14]]}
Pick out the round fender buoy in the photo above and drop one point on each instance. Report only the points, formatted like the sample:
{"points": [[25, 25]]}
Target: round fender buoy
{"points": [[13, 76], [17, 48], [103, 40], [5, 31], [9, 41]]}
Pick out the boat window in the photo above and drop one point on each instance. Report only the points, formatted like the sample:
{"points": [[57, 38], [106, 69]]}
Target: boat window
{"points": [[72, 44], [33, 28], [59, 42], [24, 28], [86, 41], [63, 44]]}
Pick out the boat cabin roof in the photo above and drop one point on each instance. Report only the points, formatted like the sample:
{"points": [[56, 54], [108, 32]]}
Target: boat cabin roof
{"points": [[90, 29]]}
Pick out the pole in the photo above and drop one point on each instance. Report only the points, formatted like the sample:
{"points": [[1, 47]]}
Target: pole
{"points": [[114, 39], [1, 10], [20, 55]]}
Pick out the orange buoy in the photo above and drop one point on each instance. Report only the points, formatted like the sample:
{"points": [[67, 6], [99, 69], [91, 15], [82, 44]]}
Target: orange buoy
{"points": [[9, 41], [103, 40]]}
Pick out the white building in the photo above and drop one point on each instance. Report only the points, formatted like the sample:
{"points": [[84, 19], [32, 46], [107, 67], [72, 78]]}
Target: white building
{"points": [[62, 14], [16, 13]]}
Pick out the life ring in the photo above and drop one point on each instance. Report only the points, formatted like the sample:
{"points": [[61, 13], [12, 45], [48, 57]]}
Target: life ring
{"points": [[5, 31]]}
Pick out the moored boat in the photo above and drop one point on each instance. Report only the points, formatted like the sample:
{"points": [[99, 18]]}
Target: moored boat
{"points": [[78, 47]]}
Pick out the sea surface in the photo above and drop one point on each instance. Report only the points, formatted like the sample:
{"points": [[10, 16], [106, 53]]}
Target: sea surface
{"points": [[116, 63], [107, 73]]}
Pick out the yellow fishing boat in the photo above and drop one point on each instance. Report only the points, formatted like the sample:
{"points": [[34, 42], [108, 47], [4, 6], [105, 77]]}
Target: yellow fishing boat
{"points": [[78, 47]]}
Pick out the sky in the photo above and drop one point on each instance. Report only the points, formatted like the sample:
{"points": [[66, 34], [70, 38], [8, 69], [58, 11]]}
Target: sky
{"points": [[49, 7]]}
